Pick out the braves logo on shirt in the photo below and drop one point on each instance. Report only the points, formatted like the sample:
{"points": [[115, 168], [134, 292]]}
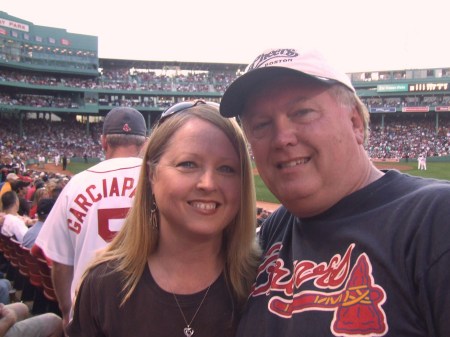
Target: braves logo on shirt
{"points": [[357, 305]]}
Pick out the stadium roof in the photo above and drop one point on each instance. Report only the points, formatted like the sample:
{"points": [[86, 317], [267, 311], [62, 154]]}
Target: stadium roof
{"points": [[120, 63]]}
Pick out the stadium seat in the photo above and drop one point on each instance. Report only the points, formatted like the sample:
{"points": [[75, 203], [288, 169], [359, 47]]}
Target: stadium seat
{"points": [[47, 284], [41, 303]]}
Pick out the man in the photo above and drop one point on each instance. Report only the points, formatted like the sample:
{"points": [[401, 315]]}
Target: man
{"points": [[7, 186], [44, 207], [14, 225], [6, 167], [352, 250], [41, 160], [57, 159], [64, 162], [21, 187], [422, 160], [93, 204]]}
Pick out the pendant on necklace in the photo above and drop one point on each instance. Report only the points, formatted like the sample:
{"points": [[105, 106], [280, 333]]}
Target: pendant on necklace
{"points": [[188, 331]]}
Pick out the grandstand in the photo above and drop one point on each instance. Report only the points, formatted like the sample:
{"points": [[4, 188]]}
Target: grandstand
{"points": [[57, 77]]}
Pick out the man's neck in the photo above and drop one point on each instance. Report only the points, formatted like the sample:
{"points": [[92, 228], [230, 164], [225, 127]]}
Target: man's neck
{"points": [[12, 211], [123, 152]]}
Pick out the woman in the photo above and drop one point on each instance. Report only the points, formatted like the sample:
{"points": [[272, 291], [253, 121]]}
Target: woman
{"points": [[186, 257], [40, 193]]}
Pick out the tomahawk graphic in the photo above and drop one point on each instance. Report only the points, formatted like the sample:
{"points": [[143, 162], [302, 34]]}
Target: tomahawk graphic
{"points": [[357, 308]]}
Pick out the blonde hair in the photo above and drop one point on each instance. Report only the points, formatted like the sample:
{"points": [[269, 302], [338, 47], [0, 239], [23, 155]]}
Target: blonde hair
{"points": [[39, 194], [137, 240]]}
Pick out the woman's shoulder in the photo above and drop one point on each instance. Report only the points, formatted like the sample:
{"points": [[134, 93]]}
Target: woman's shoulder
{"points": [[103, 275]]}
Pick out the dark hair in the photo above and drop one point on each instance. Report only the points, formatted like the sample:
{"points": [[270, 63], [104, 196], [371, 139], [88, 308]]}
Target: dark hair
{"points": [[18, 184], [44, 207], [9, 199], [55, 192], [39, 183]]}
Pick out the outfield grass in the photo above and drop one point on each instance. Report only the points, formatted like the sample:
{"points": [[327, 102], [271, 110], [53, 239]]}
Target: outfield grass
{"points": [[438, 170], [75, 167], [262, 192]]}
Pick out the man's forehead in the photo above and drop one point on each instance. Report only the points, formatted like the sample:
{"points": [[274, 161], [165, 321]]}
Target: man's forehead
{"points": [[302, 89]]}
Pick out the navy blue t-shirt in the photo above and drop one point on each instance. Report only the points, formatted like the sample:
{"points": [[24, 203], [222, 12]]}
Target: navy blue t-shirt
{"points": [[375, 264]]}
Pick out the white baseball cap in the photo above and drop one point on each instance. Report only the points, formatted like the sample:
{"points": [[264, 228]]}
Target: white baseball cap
{"points": [[277, 61]]}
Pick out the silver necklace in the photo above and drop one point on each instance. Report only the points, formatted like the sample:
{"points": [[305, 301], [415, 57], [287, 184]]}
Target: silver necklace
{"points": [[188, 331]]}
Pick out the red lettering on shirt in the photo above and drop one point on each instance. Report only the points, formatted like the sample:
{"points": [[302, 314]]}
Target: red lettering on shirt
{"points": [[357, 306], [107, 188]]}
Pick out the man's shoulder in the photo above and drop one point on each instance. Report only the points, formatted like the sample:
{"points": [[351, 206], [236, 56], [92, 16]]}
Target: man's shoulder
{"points": [[277, 221], [107, 166], [13, 219], [115, 164]]}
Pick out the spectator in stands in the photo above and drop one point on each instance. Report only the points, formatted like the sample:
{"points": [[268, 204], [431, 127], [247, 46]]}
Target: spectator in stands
{"points": [[21, 188], [15, 321], [353, 250], [43, 209], [6, 167], [39, 193], [79, 223], [54, 187], [13, 225], [194, 214], [7, 186]]}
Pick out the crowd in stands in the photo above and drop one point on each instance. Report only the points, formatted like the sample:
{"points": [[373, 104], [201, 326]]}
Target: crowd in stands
{"points": [[48, 139], [133, 80], [399, 102], [38, 101], [126, 79], [401, 136], [406, 137], [25, 202]]}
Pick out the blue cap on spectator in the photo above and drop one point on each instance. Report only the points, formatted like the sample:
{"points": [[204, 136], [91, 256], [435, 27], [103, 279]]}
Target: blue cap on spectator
{"points": [[45, 206], [124, 121]]}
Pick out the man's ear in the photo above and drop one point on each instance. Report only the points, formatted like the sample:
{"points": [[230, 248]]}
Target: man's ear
{"points": [[104, 142], [358, 125]]}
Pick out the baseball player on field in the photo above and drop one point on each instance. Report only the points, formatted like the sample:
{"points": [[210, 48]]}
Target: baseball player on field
{"points": [[92, 206], [422, 162]]}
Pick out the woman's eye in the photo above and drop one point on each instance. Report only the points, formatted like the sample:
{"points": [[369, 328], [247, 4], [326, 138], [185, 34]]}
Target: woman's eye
{"points": [[226, 169], [186, 164]]}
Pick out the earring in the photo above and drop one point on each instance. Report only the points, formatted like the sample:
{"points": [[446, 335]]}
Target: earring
{"points": [[154, 215]]}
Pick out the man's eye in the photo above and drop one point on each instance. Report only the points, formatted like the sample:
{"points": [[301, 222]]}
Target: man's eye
{"points": [[303, 115], [260, 125], [260, 129]]}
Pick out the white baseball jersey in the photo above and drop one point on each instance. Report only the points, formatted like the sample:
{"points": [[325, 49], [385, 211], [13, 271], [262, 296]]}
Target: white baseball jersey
{"points": [[89, 211]]}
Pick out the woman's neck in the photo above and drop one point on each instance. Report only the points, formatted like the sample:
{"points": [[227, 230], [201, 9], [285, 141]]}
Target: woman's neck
{"points": [[185, 272]]}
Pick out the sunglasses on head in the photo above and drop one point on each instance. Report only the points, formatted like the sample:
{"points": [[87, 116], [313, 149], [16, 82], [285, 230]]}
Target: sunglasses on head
{"points": [[181, 106]]}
